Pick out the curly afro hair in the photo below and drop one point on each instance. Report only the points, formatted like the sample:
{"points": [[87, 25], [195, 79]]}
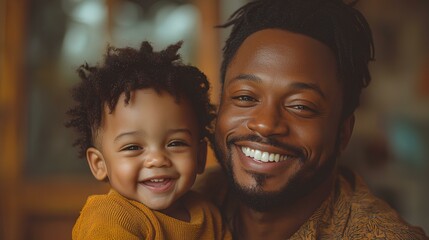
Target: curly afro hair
{"points": [[128, 69]]}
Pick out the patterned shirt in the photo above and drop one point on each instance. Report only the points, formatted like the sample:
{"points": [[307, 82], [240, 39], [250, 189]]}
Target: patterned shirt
{"points": [[350, 212]]}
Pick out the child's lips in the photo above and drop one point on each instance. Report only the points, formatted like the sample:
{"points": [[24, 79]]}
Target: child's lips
{"points": [[158, 185]]}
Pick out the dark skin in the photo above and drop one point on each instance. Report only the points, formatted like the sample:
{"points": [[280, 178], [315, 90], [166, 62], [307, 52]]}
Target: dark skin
{"points": [[282, 86]]}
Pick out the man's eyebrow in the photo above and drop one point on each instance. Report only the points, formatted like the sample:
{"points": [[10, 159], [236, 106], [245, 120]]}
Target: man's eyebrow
{"points": [[294, 85], [308, 86], [250, 77]]}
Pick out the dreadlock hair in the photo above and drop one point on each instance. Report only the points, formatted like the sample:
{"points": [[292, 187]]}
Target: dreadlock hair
{"points": [[127, 69], [337, 24]]}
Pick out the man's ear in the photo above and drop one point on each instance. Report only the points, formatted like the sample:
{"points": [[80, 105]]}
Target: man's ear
{"points": [[96, 163], [201, 157], [346, 131]]}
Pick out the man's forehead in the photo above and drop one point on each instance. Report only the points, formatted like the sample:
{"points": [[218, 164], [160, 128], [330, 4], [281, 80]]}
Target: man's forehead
{"points": [[275, 50], [280, 38]]}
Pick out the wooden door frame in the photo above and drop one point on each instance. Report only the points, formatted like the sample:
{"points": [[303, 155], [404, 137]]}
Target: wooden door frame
{"points": [[11, 112], [20, 196]]}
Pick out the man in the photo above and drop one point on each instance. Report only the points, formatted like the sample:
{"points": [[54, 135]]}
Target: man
{"points": [[292, 74]]}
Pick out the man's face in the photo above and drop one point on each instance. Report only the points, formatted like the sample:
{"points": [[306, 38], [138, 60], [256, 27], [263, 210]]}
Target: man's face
{"points": [[149, 148], [277, 132]]}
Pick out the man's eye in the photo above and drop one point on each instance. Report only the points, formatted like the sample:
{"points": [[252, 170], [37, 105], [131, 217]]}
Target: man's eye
{"points": [[177, 144], [244, 98], [303, 110], [132, 148]]}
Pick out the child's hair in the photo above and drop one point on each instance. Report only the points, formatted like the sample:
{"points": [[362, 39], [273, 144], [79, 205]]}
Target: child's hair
{"points": [[128, 69]]}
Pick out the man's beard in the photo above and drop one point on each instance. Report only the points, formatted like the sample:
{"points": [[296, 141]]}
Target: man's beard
{"points": [[263, 201]]}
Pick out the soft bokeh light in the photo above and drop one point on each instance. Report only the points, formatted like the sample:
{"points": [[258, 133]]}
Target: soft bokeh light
{"points": [[46, 41]]}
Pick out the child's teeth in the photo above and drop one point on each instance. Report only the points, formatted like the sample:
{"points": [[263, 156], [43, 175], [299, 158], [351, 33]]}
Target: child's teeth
{"points": [[157, 180]]}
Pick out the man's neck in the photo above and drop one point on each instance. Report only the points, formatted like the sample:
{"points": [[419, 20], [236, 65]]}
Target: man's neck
{"points": [[283, 222]]}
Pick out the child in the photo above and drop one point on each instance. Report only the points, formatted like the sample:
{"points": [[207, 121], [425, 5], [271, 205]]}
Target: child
{"points": [[144, 119]]}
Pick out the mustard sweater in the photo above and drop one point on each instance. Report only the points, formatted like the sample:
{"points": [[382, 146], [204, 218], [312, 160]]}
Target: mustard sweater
{"points": [[112, 216]]}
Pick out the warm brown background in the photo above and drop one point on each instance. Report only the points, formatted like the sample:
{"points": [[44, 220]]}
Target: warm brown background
{"points": [[43, 184]]}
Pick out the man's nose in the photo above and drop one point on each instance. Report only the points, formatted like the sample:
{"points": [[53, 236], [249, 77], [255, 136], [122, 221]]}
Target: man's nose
{"points": [[156, 158], [268, 121]]}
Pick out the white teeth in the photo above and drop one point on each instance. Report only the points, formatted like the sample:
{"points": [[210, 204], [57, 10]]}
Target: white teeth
{"points": [[157, 180], [263, 156], [258, 155]]}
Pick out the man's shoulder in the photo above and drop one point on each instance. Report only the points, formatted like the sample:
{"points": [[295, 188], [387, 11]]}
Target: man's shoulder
{"points": [[212, 184], [371, 217], [196, 200]]}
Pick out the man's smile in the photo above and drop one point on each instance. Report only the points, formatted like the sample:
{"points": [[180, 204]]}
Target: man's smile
{"points": [[262, 156]]}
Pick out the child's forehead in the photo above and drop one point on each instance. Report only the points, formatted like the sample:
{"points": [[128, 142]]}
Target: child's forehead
{"points": [[156, 115], [159, 102], [153, 96]]}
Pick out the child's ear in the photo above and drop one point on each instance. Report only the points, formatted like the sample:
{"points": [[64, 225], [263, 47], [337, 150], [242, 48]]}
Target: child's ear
{"points": [[201, 156], [96, 163]]}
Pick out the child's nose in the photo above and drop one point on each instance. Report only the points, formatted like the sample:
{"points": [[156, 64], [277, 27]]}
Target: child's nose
{"points": [[156, 159]]}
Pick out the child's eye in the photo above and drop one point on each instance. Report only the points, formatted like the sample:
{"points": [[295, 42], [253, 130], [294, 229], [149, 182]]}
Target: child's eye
{"points": [[177, 143], [132, 148]]}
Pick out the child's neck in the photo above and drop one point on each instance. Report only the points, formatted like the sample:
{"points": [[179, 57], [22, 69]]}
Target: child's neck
{"points": [[178, 211]]}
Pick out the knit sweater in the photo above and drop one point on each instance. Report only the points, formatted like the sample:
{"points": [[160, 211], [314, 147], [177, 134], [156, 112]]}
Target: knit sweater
{"points": [[112, 216]]}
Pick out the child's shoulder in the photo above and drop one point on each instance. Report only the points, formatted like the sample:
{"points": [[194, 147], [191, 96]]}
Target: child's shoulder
{"points": [[108, 216], [112, 213], [111, 207]]}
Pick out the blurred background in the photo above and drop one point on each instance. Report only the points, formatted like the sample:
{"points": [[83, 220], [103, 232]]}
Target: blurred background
{"points": [[43, 184]]}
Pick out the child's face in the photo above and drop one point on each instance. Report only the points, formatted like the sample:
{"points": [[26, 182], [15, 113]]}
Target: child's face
{"points": [[150, 148]]}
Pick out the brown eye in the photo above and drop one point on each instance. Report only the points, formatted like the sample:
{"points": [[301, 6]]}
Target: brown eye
{"points": [[132, 148], [303, 110], [177, 144], [244, 101], [245, 98]]}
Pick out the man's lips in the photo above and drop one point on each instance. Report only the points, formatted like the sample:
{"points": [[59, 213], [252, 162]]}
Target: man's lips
{"points": [[256, 144], [265, 160], [265, 156]]}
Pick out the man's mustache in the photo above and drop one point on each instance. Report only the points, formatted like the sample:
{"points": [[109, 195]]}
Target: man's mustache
{"points": [[296, 151]]}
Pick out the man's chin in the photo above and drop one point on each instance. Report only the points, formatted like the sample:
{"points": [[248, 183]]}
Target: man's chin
{"points": [[263, 201], [254, 196]]}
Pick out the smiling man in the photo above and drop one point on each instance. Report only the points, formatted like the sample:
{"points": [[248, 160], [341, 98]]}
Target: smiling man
{"points": [[292, 74]]}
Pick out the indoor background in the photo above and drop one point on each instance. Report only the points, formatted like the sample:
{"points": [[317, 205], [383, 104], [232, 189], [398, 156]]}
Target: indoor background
{"points": [[43, 184]]}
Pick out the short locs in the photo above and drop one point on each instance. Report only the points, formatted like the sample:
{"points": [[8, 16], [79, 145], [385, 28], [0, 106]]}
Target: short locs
{"points": [[128, 69], [337, 24]]}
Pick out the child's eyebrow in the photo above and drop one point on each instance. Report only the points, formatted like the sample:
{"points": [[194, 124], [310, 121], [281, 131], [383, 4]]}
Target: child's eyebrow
{"points": [[127, 134], [178, 130], [171, 131]]}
